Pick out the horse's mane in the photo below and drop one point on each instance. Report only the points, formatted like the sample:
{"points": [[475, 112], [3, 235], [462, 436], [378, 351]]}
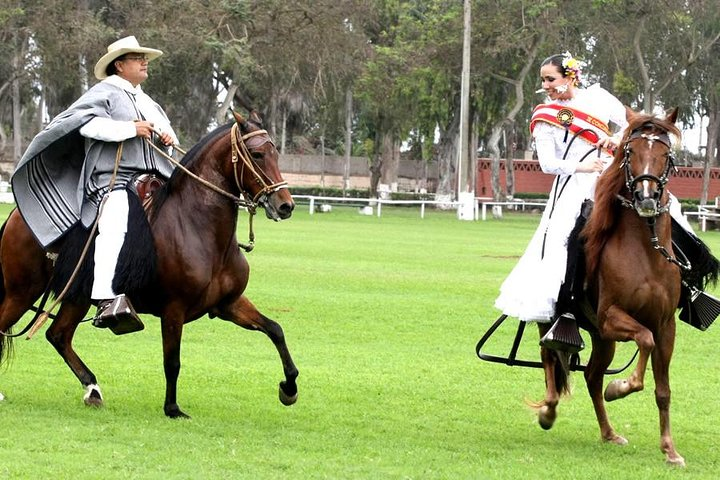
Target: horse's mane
{"points": [[607, 208], [161, 194]]}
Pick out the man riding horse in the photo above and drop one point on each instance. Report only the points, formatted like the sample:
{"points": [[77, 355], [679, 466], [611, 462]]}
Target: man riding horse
{"points": [[77, 169]]}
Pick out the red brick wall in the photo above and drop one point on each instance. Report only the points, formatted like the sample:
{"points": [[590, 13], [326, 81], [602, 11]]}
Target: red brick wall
{"points": [[685, 184]]}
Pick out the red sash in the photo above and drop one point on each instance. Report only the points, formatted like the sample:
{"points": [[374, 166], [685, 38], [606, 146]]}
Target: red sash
{"points": [[570, 118]]}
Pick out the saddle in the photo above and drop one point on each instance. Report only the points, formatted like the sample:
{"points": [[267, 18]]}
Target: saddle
{"points": [[145, 184]]}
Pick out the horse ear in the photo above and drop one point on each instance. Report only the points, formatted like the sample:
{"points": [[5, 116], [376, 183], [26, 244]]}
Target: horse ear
{"points": [[630, 114], [255, 117], [671, 116], [238, 118]]}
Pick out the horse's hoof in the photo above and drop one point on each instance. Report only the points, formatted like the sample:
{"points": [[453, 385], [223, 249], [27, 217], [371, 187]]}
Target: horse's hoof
{"points": [[617, 389], [675, 460], [546, 417], [173, 411], [287, 398], [93, 396], [616, 439], [2, 397]]}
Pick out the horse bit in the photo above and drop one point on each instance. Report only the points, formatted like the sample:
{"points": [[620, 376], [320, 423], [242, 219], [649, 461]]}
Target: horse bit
{"points": [[631, 183]]}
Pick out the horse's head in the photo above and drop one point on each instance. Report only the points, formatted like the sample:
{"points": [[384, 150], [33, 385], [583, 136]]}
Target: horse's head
{"points": [[647, 160], [257, 174]]}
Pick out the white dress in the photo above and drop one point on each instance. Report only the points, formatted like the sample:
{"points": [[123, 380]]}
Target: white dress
{"points": [[531, 290]]}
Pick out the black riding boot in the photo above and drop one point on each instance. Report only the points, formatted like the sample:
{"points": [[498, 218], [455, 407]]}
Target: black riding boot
{"points": [[564, 334]]}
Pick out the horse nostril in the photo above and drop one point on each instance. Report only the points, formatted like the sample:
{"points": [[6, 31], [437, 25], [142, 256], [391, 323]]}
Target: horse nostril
{"points": [[286, 208]]}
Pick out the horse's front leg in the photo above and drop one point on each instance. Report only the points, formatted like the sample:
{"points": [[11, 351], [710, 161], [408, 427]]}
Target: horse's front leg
{"points": [[603, 352], [620, 327], [60, 335], [660, 364], [243, 313], [172, 327]]}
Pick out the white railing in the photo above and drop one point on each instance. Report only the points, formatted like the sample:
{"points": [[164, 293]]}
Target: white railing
{"points": [[705, 214], [516, 204], [374, 202], [479, 208]]}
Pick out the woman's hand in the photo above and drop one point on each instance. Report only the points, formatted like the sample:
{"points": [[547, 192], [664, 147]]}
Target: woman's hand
{"points": [[608, 143], [590, 165]]}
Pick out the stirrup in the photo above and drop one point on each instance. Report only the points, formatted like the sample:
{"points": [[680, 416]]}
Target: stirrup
{"points": [[701, 309], [564, 335], [118, 315]]}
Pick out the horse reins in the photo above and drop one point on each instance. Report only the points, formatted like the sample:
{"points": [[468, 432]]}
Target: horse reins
{"points": [[239, 151], [631, 182]]}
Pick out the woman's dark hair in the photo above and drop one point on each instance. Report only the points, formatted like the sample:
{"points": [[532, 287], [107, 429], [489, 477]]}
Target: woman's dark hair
{"points": [[110, 69], [556, 60]]}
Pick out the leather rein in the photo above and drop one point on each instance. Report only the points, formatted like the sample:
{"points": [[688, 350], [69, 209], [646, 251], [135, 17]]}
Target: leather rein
{"points": [[241, 158], [632, 181]]}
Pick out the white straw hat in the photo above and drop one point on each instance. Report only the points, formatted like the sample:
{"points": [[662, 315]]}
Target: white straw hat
{"points": [[121, 47]]}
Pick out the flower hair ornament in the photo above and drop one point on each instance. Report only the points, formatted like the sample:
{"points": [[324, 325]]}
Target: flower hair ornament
{"points": [[572, 67]]}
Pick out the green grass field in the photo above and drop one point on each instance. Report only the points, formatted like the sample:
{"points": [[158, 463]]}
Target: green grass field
{"points": [[382, 316]]}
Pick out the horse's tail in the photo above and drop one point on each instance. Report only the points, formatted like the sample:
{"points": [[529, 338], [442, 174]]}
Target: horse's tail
{"points": [[562, 372], [5, 341], [2, 277]]}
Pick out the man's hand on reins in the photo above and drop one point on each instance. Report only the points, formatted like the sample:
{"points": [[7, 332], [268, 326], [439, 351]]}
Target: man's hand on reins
{"points": [[145, 129]]}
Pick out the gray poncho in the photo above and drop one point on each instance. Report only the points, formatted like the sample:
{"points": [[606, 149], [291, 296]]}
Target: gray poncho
{"points": [[62, 176]]}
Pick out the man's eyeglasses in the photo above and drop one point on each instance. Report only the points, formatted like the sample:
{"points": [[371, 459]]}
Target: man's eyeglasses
{"points": [[138, 58]]}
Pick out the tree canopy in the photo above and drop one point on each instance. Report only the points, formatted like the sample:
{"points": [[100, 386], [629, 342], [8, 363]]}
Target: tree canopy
{"points": [[297, 62]]}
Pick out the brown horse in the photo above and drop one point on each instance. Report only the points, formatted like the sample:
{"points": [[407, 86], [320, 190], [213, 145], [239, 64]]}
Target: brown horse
{"points": [[199, 266], [632, 280]]}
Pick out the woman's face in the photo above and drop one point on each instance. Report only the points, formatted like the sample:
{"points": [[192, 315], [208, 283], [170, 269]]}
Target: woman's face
{"points": [[555, 85]]}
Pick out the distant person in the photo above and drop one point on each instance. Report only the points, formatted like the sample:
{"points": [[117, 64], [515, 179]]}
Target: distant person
{"points": [[65, 174]]}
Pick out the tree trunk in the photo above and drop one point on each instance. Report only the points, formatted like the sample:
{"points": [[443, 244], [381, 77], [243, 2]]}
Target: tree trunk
{"points": [[348, 138], [283, 133], [16, 112], [509, 156], [509, 119], [447, 153], [390, 150], [493, 144], [221, 113]]}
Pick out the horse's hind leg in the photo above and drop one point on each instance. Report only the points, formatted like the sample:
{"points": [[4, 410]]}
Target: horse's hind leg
{"points": [[556, 382], [603, 352], [60, 335], [661, 363], [243, 313]]}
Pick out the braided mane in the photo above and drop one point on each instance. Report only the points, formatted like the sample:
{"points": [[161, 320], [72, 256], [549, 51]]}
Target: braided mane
{"points": [[606, 211]]}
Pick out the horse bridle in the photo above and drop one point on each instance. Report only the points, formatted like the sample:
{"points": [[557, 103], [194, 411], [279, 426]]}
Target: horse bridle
{"points": [[632, 181], [240, 151]]}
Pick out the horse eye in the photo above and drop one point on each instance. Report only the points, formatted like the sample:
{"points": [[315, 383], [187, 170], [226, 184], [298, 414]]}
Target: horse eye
{"points": [[257, 155]]}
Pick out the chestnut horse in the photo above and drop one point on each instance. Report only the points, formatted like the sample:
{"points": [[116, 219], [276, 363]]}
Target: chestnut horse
{"points": [[632, 279], [199, 268]]}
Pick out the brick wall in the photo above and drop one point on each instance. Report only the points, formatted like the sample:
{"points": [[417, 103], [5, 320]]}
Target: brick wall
{"points": [[685, 184]]}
